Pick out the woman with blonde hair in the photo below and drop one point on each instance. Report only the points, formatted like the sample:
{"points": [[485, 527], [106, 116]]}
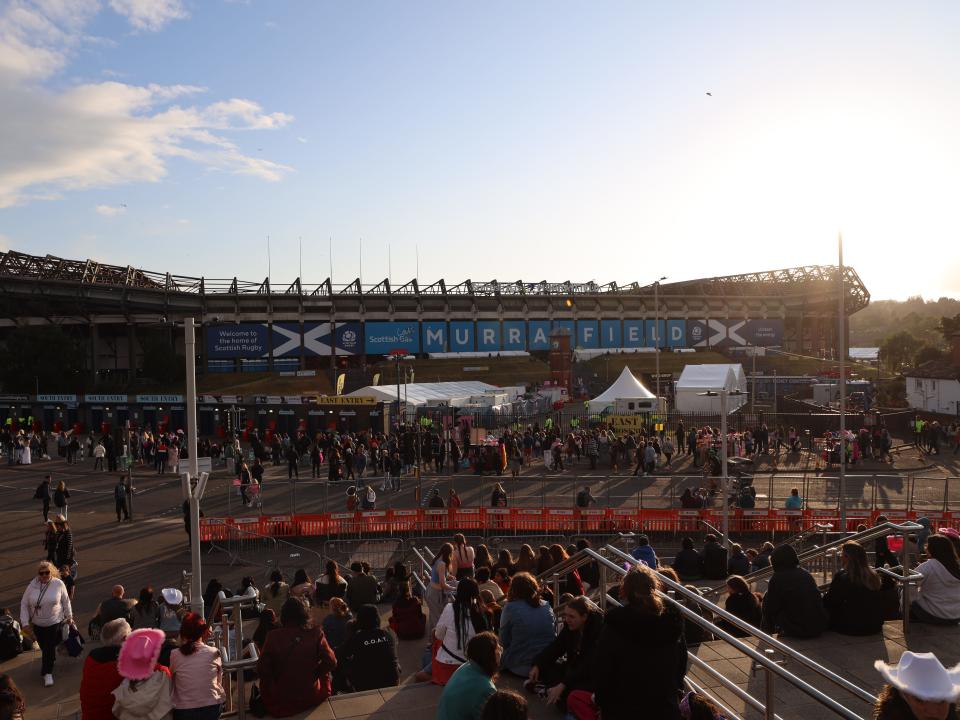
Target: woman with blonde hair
{"points": [[44, 608], [641, 652]]}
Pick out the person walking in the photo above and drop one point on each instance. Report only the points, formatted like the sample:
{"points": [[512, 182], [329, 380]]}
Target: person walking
{"points": [[99, 453], [65, 554], [120, 499], [43, 493], [61, 496], [44, 608], [293, 463]]}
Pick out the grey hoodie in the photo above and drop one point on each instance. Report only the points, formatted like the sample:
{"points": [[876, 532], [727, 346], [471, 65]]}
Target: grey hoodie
{"points": [[149, 699]]}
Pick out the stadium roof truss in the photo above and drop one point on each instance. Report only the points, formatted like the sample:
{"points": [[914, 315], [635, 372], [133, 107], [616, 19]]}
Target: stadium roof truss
{"points": [[812, 281]]}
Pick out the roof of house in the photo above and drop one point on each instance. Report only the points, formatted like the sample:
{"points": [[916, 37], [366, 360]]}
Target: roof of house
{"points": [[934, 369]]}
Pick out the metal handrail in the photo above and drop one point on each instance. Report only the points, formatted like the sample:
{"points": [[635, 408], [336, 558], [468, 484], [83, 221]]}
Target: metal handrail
{"points": [[760, 658], [276, 541], [757, 633], [877, 531]]}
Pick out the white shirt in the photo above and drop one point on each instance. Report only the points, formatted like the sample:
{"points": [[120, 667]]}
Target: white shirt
{"points": [[447, 634], [939, 591], [45, 604]]}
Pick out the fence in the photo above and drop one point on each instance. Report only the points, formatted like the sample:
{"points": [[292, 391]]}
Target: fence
{"points": [[547, 521], [862, 491]]}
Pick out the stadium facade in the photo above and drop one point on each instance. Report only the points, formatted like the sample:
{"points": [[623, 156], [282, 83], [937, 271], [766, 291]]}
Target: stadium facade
{"points": [[259, 326]]}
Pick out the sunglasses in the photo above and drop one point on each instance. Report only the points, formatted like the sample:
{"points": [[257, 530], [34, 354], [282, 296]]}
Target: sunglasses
{"points": [[43, 572]]}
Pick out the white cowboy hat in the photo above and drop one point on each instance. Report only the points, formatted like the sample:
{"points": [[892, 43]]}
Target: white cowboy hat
{"points": [[922, 675], [172, 596]]}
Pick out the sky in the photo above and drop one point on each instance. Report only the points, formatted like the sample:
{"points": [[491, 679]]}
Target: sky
{"points": [[606, 141]]}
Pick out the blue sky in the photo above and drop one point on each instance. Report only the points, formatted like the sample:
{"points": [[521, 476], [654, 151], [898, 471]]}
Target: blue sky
{"points": [[534, 140]]}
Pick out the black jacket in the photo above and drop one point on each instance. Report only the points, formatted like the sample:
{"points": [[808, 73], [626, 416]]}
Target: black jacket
{"points": [[853, 609], [641, 662], [739, 564], [744, 607], [714, 561], [65, 553], [578, 650], [369, 660], [688, 564], [792, 605]]}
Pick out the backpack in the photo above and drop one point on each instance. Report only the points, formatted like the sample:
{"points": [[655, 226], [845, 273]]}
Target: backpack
{"points": [[59, 499], [10, 643], [41, 492]]}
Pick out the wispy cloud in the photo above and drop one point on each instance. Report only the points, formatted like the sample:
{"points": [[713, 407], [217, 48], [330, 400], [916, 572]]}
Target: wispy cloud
{"points": [[301, 139], [110, 210], [149, 15], [106, 133]]}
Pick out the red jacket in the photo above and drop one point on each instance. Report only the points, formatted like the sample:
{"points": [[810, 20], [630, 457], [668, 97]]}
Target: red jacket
{"points": [[408, 620], [100, 678], [294, 670]]}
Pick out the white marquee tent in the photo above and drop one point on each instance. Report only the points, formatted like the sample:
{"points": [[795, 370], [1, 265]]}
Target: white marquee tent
{"points": [[626, 387], [696, 379], [420, 393]]}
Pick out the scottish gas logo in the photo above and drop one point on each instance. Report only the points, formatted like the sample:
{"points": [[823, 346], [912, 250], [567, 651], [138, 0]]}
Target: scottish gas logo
{"points": [[382, 337]]}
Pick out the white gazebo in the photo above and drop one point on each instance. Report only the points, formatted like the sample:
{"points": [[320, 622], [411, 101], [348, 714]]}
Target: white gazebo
{"points": [[626, 387], [698, 379]]}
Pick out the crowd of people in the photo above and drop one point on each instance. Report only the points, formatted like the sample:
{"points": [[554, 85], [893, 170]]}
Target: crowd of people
{"points": [[483, 614]]}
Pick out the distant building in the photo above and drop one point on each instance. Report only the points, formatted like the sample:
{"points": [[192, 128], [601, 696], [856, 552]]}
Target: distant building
{"points": [[934, 386]]}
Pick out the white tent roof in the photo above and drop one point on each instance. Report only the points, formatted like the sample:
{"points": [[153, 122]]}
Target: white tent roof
{"points": [[419, 393], [626, 387], [712, 377]]}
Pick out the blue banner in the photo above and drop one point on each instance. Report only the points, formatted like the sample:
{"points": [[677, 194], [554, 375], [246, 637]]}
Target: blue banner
{"points": [[461, 336], [734, 333], [610, 335], [588, 334], [488, 336], [654, 331], [633, 333], [244, 340], [348, 338], [538, 335], [514, 335], [382, 337], [565, 325], [434, 336], [286, 339], [676, 333]]}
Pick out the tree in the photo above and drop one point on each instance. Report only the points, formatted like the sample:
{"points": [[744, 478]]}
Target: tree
{"points": [[897, 349], [948, 327], [926, 353], [43, 356]]}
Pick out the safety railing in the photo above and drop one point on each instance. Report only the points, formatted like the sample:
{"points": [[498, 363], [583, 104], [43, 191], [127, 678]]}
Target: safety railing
{"points": [[821, 556], [503, 521], [761, 658], [236, 656], [864, 492]]}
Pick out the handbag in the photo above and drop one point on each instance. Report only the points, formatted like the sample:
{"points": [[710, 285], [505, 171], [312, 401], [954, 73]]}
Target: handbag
{"points": [[74, 642]]}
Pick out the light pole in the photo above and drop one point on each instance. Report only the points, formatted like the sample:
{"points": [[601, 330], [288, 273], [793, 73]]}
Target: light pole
{"points": [[723, 394], [656, 331], [193, 494]]}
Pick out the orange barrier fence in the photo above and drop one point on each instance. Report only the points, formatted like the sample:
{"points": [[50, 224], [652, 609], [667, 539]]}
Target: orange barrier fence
{"points": [[546, 521]]}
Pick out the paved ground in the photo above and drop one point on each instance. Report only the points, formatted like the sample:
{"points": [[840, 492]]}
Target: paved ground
{"points": [[153, 548]]}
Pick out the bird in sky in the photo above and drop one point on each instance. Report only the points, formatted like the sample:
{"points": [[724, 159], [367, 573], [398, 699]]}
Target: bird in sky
{"points": [[710, 94]]}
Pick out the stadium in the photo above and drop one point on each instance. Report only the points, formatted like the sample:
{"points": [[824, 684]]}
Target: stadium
{"points": [[256, 329], [259, 325]]}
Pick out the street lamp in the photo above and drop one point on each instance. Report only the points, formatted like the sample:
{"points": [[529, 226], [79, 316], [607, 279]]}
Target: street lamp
{"points": [[656, 330], [724, 480]]}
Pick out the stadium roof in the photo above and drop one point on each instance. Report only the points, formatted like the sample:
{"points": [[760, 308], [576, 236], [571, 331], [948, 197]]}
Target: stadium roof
{"points": [[90, 272]]}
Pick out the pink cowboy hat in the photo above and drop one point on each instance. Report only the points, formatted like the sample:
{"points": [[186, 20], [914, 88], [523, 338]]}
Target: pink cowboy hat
{"points": [[139, 653]]}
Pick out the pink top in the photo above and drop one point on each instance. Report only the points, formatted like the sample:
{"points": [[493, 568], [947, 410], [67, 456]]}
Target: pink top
{"points": [[197, 678]]}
